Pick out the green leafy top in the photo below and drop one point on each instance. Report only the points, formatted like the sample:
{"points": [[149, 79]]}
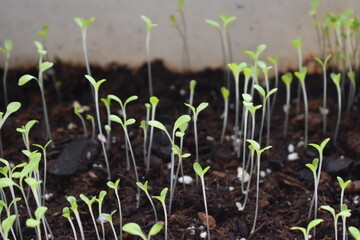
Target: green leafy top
{"points": [[73, 204], [225, 92], [148, 22], [336, 78], [273, 60], [180, 5], [213, 23], [25, 129], [192, 85], [302, 74], [88, 201], [262, 92], [322, 145], [236, 69], [256, 146], [325, 62], [93, 82], [162, 196], [199, 170], [310, 226], [354, 232], [313, 166], [287, 78], [82, 23], [154, 101], [351, 76], [134, 229], [114, 185], [226, 19], [43, 32], [199, 108], [10, 109], [156, 228], [343, 184], [8, 47], [7, 223], [297, 42], [255, 55], [117, 119], [144, 186]]}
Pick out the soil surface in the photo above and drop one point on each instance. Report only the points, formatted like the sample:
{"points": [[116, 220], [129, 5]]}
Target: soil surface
{"points": [[286, 187]]}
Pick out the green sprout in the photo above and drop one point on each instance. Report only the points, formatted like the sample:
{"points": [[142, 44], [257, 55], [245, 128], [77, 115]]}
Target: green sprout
{"points": [[297, 43], [6, 226], [161, 198], [255, 56], [83, 24], [89, 203], [336, 78], [107, 102], [201, 172], [343, 213], [225, 94], [222, 26], [25, 130], [74, 209], [351, 76], [287, 79], [149, 27], [35, 223], [355, 233], [78, 110], [10, 109], [343, 185], [319, 30], [135, 229], [143, 126], [92, 120], [144, 187], [8, 47], [154, 102], [313, 167], [100, 201], [310, 226], [324, 109], [274, 60], [109, 219], [301, 76], [192, 86], [95, 86], [43, 66], [115, 187], [258, 151], [66, 214]]}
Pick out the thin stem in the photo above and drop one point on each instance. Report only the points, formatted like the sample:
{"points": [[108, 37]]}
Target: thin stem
{"points": [[206, 209], [226, 109], [339, 113], [306, 111], [257, 192], [149, 63], [324, 113], [6, 66], [120, 214], [288, 96]]}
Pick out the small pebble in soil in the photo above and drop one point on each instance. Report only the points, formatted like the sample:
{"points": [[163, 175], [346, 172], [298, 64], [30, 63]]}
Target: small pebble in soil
{"points": [[323, 111], [240, 176], [102, 219], [293, 156], [47, 196], [285, 108], [262, 174], [356, 200], [231, 188], [268, 171], [291, 148], [300, 144], [191, 230], [71, 126], [239, 206], [209, 138], [101, 138], [231, 106], [186, 179], [182, 92], [203, 235]]}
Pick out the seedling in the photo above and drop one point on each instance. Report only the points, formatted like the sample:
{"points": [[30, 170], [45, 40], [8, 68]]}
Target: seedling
{"points": [[344, 213], [6, 226], [258, 151], [297, 43], [306, 231], [154, 102], [192, 86], [35, 223], [92, 120], [343, 185], [43, 66], [89, 203], [135, 229], [115, 187], [323, 110], [222, 26], [355, 233], [107, 102], [301, 76], [351, 76], [8, 47], [66, 214], [144, 187], [319, 30], [78, 110], [161, 198], [336, 78], [109, 219], [274, 60], [313, 167], [74, 209], [255, 56], [201, 172], [225, 94], [83, 24], [95, 86], [10, 109], [149, 27], [25, 130], [287, 79], [100, 201]]}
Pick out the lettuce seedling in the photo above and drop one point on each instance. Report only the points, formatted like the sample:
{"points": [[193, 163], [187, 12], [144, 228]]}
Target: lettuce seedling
{"points": [[135, 229], [161, 198], [355, 233], [222, 27], [343, 185], [43, 66], [144, 187], [107, 102], [343, 213], [287, 79], [258, 151], [115, 187], [89, 203], [92, 120], [10, 109], [8, 47], [83, 24], [297, 43], [74, 209], [274, 60], [313, 167], [225, 94], [306, 231], [149, 26], [95, 86], [351, 76], [6, 226], [192, 86], [35, 223], [100, 201], [255, 56], [109, 219], [336, 78], [25, 130], [323, 109], [66, 214], [154, 102], [201, 172], [320, 35], [78, 110], [301, 76]]}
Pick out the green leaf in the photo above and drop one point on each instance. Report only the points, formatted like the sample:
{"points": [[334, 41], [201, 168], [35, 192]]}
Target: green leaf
{"points": [[225, 92], [302, 74], [117, 119], [192, 85], [73, 204], [272, 91], [66, 212], [148, 22], [354, 232], [40, 212], [157, 124], [260, 49], [134, 229], [254, 144], [351, 76], [156, 228], [82, 23], [201, 107], [130, 99], [32, 223], [45, 66], [251, 54], [38, 45], [329, 209], [44, 31], [162, 196], [8, 44], [199, 170], [314, 165], [154, 101], [129, 122], [336, 78], [343, 184], [247, 97], [213, 23], [12, 107], [143, 186], [181, 120], [297, 42], [303, 230], [260, 90], [175, 149], [313, 223], [8, 223], [6, 182], [287, 78], [113, 185], [25, 78]]}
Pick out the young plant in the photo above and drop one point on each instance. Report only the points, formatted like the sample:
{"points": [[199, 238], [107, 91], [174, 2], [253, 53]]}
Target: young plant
{"points": [[255, 56], [336, 78], [310, 226], [154, 102], [355, 233], [66, 214], [258, 151], [10, 109], [74, 209], [192, 86], [78, 110], [323, 110], [149, 27], [297, 43], [8, 47], [313, 167], [108, 218], [95, 86], [343, 185], [35, 223], [144, 187], [92, 120], [222, 26], [225, 94], [25, 130], [83, 24], [135, 229], [274, 60], [351, 76], [287, 79], [6, 226], [301, 76], [107, 102], [343, 213], [201, 172], [43, 66], [162, 198], [100, 201], [89, 203], [115, 187]]}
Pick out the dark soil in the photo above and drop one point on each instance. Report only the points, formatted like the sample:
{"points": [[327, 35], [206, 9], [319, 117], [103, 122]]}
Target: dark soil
{"points": [[285, 190]]}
